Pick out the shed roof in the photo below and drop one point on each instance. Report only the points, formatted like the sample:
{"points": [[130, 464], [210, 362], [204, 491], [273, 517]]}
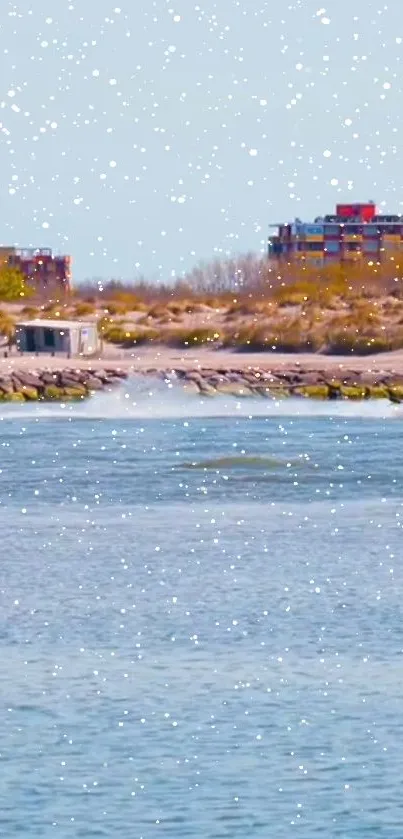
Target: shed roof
{"points": [[64, 325]]}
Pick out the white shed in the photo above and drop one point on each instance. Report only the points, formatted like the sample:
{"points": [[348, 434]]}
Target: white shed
{"points": [[67, 337]]}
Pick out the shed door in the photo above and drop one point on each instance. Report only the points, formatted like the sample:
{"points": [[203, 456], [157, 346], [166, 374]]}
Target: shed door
{"points": [[30, 339], [49, 338]]}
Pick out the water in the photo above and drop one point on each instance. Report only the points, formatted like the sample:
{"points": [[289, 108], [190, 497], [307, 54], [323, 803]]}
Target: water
{"points": [[201, 618]]}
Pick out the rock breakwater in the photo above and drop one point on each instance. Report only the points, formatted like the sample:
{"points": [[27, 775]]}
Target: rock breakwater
{"points": [[296, 382], [56, 385], [71, 384]]}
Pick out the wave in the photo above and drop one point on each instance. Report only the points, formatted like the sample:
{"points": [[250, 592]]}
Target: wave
{"points": [[240, 462], [155, 399]]}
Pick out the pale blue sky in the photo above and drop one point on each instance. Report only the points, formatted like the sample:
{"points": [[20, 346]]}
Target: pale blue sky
{"points": [[216, 114]]}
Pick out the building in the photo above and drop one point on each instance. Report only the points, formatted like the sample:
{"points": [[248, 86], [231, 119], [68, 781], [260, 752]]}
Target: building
{"points": [[354, 232], [70, 338], [5, 255], [43, 270]]}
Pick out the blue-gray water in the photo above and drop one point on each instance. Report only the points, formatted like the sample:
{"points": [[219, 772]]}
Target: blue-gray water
{"points": [[201, 619]]}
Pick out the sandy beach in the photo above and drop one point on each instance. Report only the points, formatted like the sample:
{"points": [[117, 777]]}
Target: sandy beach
{"points": [[158, 358]]}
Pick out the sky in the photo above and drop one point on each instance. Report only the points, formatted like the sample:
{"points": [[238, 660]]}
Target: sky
{"points": [[142, 137]]}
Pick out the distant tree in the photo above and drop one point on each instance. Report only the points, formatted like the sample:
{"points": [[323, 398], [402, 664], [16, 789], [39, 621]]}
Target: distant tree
{"points": [[7, 329], [13, 285]]}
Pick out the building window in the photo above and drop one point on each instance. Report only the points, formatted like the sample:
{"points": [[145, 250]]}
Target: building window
{"points": [[370, 246], [352, 228], [314, 260], [332, 247], [391, 229], [313, 229], [313, 246]]}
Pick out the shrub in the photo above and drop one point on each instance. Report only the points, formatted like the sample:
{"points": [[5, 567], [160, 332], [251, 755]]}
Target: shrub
{"points": [[105, 323], [52, 311], [339, 343], [30, 312], [190, 337], [201, 307], [319, 290], [114, 334], [283, 337], [7, 325], [248, 338], [83, 309], [129, 337], [114, 307], [362, 315], [291, 297], [125, 301], [177, 308], [13, 284], [158, 311], [51, 306], [241, 307], [211, 301]]}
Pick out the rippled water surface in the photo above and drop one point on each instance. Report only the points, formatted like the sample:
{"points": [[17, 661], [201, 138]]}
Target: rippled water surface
{"points": [[201, 619]]}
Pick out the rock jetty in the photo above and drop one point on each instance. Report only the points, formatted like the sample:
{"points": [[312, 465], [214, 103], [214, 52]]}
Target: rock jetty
{"points": [[56, 385], [70, 384], [294, 381]]}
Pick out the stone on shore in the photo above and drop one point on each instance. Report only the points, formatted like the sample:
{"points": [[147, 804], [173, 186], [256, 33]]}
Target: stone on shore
{"points": [[313, 384], [58, 385], [15, 397], [31, 394], [191, 387], [6, 387], [312, 391], [70, 383], [93, 383], [235, 389], [74, 393]]}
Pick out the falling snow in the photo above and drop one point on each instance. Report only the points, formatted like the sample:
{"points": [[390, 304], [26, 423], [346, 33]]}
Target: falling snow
{"points": [[135, 84], [200, 597], [129, 563]]}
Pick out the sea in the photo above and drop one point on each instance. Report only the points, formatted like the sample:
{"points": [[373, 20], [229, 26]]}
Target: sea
{"points": [[201, 618]]}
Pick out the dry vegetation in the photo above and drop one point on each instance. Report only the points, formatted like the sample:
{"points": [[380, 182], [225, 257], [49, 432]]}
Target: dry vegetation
{"points": [[247, 304]]}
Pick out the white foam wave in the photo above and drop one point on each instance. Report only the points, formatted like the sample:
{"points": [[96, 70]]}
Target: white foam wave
{"points": [[155, 399]]}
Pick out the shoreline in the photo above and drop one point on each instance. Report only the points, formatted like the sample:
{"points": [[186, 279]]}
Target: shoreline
{"points": [[160, 358], [207, 372]]}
